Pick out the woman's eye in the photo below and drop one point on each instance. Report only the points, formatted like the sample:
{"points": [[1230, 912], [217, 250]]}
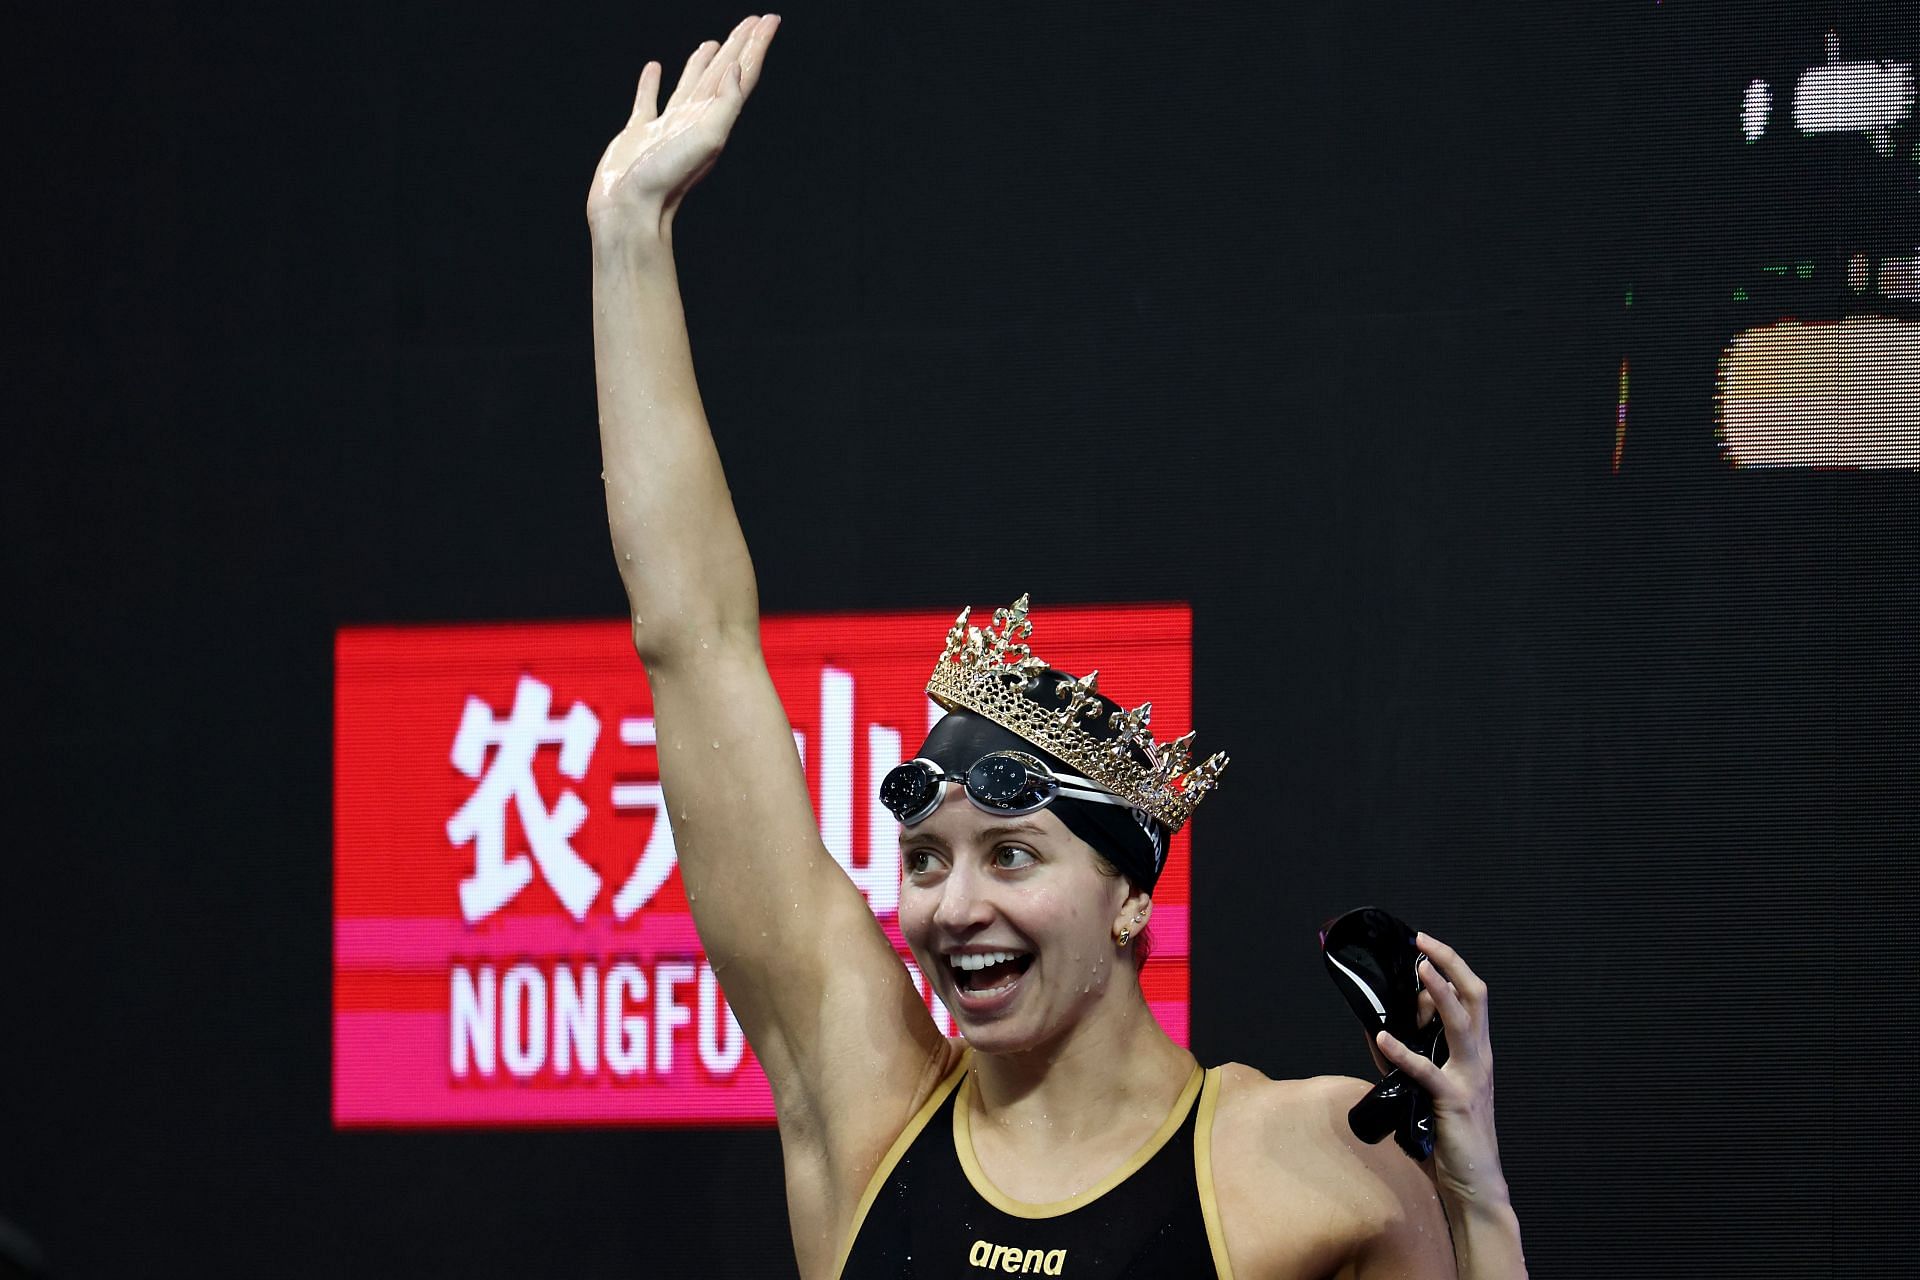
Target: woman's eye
{"points": [[1010, 856], [918, 862]]}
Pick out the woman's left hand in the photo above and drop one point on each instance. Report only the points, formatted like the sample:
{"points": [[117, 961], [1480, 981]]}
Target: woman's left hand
{"points": [[1466, 1153]]}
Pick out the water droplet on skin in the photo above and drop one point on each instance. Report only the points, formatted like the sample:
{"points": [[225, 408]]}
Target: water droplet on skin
{"points": [[716, 744]]}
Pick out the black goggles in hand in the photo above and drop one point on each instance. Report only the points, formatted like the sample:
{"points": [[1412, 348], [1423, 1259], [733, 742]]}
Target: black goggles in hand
{"points": [[1009, 783]]}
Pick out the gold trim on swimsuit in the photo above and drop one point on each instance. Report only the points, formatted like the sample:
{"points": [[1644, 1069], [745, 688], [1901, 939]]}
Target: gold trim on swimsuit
{"points": [[1203, 1171], [899, 1148], [963, 1146]]}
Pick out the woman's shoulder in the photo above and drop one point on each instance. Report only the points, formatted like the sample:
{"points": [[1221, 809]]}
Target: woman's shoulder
{"points": [[1286, 1142], [1299, 1195], [1253, 1097]]}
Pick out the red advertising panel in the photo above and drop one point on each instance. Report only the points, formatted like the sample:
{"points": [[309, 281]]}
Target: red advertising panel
{"points": [[511, 941]]}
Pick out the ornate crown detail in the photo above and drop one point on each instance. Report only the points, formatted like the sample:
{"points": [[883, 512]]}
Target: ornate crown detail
{"points": [[991, 671]]}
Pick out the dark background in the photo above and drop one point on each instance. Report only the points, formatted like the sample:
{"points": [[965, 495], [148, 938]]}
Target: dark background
{"points": [[1310, 315]]}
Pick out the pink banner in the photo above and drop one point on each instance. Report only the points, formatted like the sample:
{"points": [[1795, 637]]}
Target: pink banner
{"points": [[512, 945]]}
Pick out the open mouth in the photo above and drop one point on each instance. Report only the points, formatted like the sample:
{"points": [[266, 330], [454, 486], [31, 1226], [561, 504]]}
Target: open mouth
{"points": [[991, 974]]}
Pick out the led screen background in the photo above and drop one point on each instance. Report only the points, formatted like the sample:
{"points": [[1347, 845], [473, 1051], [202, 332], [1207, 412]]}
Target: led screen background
{"points": [[1310, 318], [1778, 174], [512, 941]]}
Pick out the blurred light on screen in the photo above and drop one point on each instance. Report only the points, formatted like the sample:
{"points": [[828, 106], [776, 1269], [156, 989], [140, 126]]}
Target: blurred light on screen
{"points": [[1755, 106], [1839, 394], [1808, 300], [1854, 97], [1900, 278]]}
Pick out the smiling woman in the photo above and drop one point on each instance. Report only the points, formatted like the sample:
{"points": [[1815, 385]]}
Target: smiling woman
{"points": [[1035, 823], [1063, 1132]]}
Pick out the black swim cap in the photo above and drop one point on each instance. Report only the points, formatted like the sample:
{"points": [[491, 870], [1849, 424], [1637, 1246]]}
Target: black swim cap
{"points": [[1131, 839]]}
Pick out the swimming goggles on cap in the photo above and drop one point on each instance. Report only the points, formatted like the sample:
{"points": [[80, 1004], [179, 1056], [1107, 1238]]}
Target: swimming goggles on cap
{"points": [[1009, 783]]}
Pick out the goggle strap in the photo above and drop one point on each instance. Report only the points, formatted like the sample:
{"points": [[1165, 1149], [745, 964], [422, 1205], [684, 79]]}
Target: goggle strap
{"points": [[1089, 790], [1083, 788]]}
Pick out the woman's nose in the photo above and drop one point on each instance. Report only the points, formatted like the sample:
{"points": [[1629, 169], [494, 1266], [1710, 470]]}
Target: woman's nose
{"points": [[963, 901]]}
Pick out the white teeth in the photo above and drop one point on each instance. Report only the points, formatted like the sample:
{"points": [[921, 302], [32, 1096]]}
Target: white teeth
{"points": [[970, 963]]}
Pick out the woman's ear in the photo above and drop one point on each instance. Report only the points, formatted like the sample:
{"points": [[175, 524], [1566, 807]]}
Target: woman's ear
{"points": [[1135, 910]]}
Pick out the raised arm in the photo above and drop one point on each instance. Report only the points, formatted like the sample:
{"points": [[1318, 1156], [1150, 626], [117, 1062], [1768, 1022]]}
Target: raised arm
{"points": [[818, 989], [680, 553]]}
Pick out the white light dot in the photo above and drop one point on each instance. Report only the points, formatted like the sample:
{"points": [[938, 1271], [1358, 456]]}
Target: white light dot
{"points": [[1857, 273], [1755, 106]]}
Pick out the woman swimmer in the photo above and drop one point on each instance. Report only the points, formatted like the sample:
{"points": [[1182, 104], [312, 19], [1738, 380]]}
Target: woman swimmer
{"points": [[1065, 1133]]}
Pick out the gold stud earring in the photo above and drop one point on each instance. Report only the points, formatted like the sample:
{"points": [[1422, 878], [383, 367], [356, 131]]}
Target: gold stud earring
{"points": [[1125, 934]]}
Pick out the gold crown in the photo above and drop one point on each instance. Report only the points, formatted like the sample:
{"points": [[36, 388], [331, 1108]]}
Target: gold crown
{"points": [[991, 671]]}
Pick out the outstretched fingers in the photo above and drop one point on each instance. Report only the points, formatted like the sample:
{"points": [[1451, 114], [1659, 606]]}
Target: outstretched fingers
{"points": [[754, 55], [697, 62], [664, 152], [647, 97], [721, 64], [729, 66]]}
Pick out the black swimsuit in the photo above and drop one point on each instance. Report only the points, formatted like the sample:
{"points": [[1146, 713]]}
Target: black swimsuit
{"points": [[929, 1210]]}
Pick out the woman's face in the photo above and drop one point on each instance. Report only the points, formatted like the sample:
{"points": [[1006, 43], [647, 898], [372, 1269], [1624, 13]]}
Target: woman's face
{"points": [[1011, 920]]}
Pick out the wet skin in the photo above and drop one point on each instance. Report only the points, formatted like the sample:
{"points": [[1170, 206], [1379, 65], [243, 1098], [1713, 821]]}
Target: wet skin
{"points": [[978, 882]]}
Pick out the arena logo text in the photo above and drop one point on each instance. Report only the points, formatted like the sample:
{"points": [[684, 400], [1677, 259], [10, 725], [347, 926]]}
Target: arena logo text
{"points": [[1017, 1261]]}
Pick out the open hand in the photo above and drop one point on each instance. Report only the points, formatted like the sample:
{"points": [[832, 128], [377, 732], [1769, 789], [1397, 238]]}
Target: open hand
{"points": [[1466, 1151], [657, 158]]}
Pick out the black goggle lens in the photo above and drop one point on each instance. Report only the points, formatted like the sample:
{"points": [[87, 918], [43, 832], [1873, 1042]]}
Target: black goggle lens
{"points": [[1001, 782], [908, 790], [1006, 783]]}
